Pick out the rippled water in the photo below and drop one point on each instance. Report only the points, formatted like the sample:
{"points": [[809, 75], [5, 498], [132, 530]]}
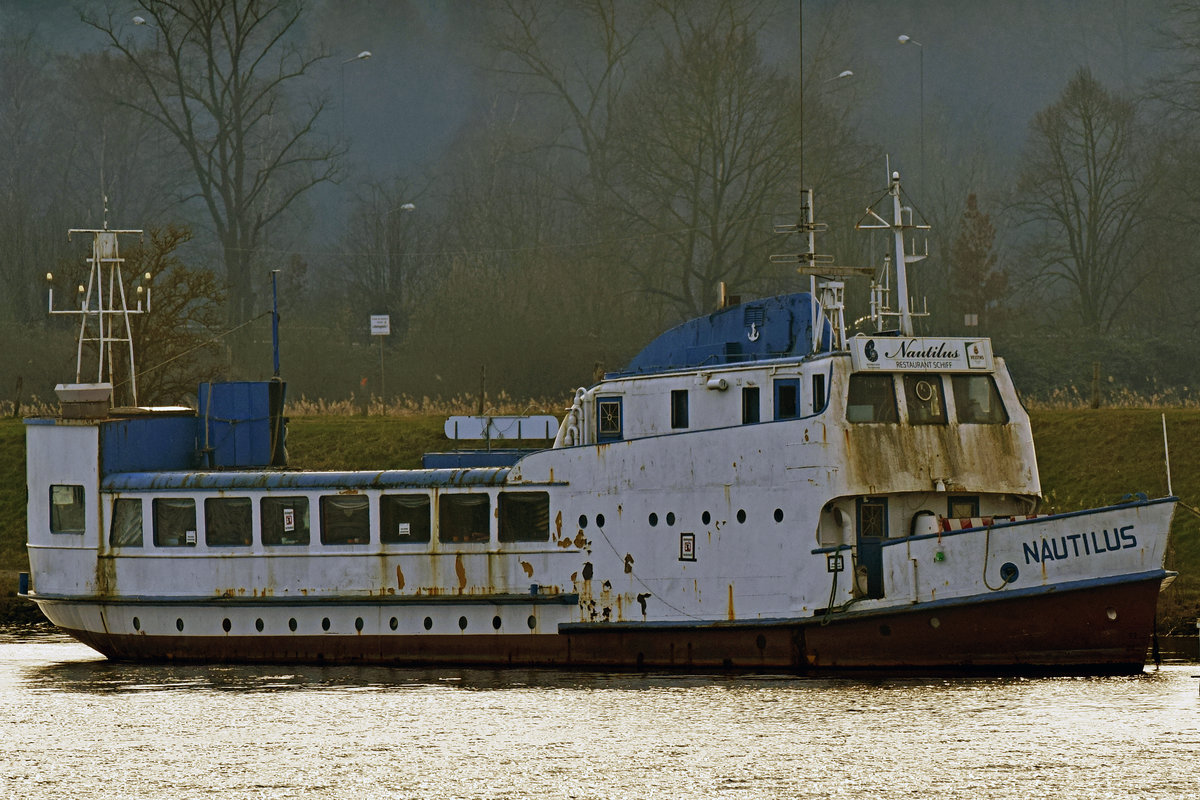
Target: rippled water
{"points": [[75, 726]]}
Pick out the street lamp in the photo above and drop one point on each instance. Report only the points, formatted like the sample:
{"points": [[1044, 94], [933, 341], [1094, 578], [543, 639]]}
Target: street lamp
{"points": [[904, 38], [363, 56]]}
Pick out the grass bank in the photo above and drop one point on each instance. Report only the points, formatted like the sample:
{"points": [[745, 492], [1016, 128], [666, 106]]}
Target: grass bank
{"points": [[1086, 458]]}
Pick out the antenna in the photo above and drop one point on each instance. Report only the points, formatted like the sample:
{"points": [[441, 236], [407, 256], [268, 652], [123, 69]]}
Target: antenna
{"points": [[104, 307], [879, 304]]}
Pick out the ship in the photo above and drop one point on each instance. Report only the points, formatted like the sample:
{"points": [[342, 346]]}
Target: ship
{"points": [[759, 489]]}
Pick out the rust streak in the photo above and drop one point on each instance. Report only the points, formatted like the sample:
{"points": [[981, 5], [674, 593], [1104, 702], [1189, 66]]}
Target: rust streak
{"points": [[460, 571], [399, 578]]}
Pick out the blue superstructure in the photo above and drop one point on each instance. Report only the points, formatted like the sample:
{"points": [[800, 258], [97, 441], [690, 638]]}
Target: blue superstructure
{"points": [[772, 327]]}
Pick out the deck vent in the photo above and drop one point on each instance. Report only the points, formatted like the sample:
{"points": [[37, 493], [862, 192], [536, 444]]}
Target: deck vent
{"points": [[84, 400]]}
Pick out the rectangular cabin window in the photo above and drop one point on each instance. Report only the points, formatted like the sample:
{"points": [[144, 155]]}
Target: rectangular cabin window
{"points": [[871, 398], [818, 392], [174, 522], [962, 507], [787, 398], [126, 528], [977, 401], [464, 518], [67, 508], [608, 419], [404, 518], [524, 517], [345, 519], [228, 521], [284, 520], [926, 402], [679, 408], [750, 405]]}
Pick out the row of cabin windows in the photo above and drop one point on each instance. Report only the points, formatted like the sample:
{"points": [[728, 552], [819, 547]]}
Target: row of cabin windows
{"points": [[872, 398], [284, 521], [787, 405]]}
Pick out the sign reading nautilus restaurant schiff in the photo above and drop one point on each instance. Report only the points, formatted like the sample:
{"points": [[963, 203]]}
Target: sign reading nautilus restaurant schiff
{"points": [[909, 354]]}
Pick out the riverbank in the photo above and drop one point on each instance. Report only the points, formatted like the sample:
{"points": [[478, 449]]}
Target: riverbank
{"points": [[1085, 457]]}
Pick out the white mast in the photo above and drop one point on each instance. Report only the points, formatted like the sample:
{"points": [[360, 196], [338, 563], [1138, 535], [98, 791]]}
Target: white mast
{"points": [[105, 307], [901, 259]]}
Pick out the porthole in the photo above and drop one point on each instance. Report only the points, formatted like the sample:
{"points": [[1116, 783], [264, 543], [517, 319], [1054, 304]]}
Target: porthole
{"points": [[653, 519], [325, 624], [258, 625], [292, 624], [226, 624], [934, 622], [1111, 613], [137, 624], [358, 624], [179, 624], [741, 515], [582, 521], [462, 623], [706, 517], [428, 623], [496, 622], [531, 622], [599, 520], [394, 623], [779, 515], [670, 517]]}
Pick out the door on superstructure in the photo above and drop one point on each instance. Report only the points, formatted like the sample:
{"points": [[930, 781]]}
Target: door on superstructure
{"points": [[871, 533]]}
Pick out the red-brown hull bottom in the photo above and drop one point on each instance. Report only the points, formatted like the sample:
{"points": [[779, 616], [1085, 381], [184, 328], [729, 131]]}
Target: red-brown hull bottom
{"points": [[1103, 629]]}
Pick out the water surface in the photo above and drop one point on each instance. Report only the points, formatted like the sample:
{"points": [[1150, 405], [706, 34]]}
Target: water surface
{"points": [[73, 725]]}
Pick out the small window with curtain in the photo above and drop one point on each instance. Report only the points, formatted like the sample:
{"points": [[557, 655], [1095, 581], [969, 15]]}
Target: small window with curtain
{"points": [[679, 408], [750, 407], [464, 518], [524, 517], [284, 520], [228, 521], [126, 527], [404, 518], [977, 401], [926, 403], [174, 522], [871, 398], [345, 519], [68, 512]]}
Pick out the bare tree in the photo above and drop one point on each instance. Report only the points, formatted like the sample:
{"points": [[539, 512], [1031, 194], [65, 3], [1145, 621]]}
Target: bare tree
{"points": [[977, 285], [219, 75], [1084, 185]]}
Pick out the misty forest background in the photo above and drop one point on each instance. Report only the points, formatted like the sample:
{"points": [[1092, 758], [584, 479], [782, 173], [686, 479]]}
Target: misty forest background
{"points": [[535, 188]]}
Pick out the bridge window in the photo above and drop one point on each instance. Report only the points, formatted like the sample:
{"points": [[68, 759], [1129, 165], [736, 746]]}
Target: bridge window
{"points": [[67, 509], [926, 403], [464, 517], [962, 507], [174, 522], [284, 520], [818, 392], [404, 518], [787, 398], [524, 517], [977, 401], [871, 398], [126, 528], [750, 408], [228, 521], [608, 419], [679, 408], [345, 519]]}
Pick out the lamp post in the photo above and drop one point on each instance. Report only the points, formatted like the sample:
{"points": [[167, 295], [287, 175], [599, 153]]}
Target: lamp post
{"points": [[363, 56], [904, 38]]}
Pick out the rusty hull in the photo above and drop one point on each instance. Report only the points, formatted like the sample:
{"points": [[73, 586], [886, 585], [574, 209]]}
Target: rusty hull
{"points": [[1093, 630]]}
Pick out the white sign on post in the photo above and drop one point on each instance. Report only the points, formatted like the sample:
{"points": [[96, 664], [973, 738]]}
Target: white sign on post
{"points": [[381, 325]]}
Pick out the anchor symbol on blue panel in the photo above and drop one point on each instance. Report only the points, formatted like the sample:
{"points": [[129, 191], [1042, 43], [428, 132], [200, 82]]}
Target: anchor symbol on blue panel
{"points": [[753, 334]]}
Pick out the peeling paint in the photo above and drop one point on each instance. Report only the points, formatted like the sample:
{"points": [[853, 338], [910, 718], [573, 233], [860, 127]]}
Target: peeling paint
{"points": [[580, 540], [399, 578], [525, 565], [628, 564], [731, 615], [460, 571]]}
